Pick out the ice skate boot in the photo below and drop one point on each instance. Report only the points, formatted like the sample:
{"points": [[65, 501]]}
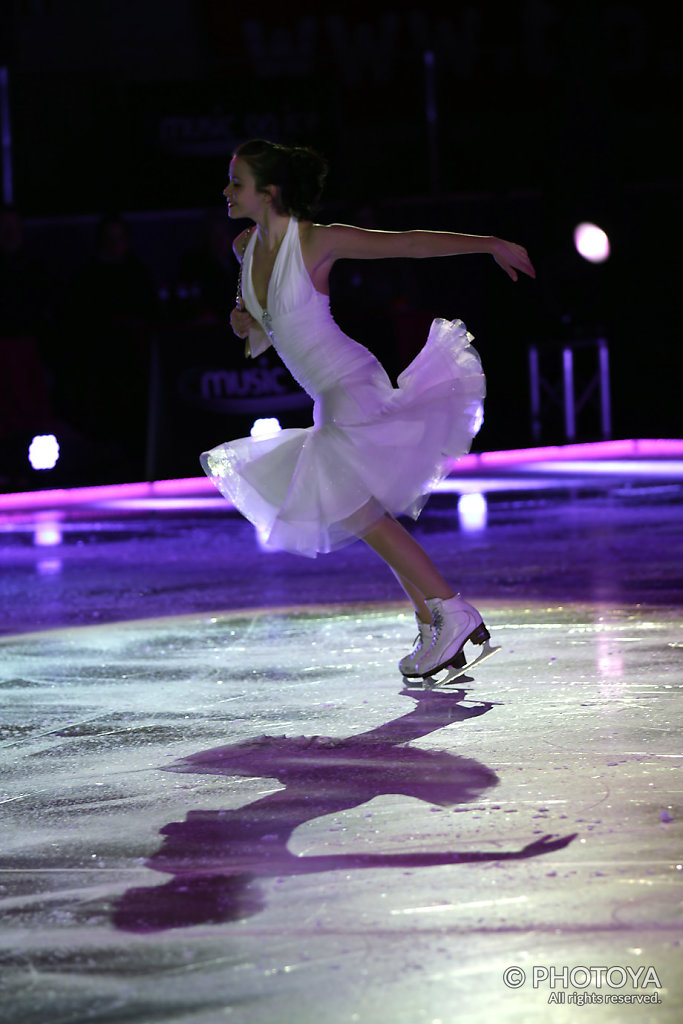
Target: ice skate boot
{"points": [[455, 623], [408, 666]]}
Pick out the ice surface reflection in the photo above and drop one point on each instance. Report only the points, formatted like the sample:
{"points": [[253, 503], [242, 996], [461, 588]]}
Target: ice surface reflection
{"points": [[217, 857]]}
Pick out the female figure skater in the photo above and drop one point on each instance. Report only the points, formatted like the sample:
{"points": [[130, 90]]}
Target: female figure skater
{"points": [[374, 451]]}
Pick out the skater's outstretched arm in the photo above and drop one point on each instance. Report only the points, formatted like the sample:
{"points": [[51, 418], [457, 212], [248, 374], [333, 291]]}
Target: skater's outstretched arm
{"points": [[335, 862], [432, 711], [326, 244]]}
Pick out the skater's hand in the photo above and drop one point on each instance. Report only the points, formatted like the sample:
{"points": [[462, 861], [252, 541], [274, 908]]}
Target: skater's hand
{"points": [[241, 321], [547, 844], [512, 257]]}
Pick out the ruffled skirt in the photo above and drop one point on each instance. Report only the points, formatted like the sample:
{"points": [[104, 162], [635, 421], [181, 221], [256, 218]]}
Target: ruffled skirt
{"points": [[373, 449]]}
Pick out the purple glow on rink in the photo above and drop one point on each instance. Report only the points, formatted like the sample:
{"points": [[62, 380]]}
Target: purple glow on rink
{"points": [[612, 467], [591, 242], [475, 484], [168, 504], [221, 798], [196, 488], [108, 492], [627, 448]]}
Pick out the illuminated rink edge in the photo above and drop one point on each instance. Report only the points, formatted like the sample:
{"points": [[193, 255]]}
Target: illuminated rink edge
{"points": [[651, 457]]}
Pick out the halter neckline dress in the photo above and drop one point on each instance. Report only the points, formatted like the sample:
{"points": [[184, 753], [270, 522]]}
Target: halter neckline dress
{"points": [[372, 449]]}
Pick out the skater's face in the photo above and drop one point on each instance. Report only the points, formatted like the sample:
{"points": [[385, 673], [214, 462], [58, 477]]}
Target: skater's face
{"points": [[243, 196]]}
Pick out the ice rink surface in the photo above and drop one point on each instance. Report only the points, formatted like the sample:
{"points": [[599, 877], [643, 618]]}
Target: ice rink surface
{"points": [[221, 803]]}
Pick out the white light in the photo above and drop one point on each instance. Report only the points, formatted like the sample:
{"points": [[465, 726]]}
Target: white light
{"points": [[591, 242], [267, 427], [43, 451], [47, 532], [472, 512]]}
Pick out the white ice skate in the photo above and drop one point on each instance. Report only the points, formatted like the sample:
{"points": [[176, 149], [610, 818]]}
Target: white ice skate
{"points": [[423, 641], [455, 623]]}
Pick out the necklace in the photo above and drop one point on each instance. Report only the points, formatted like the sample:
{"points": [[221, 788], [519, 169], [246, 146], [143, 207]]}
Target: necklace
{"points": [[266, 318]]}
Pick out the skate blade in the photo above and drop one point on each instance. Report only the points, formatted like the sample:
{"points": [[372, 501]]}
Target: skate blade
{"points": [[418, 683], [451, 672]]}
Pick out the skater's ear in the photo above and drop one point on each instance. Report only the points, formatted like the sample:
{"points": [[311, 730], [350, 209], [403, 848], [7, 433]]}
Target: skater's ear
{"points": [[271, 194]]}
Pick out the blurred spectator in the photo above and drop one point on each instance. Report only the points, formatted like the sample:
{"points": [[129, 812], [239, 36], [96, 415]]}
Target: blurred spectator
{"points": [[108, 318], [115, 288], [208, 275], [26, 293], [25, 304]]}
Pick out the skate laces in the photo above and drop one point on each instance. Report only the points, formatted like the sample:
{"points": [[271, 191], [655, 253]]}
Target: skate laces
{"points": [[437, 623], [423, 634]]}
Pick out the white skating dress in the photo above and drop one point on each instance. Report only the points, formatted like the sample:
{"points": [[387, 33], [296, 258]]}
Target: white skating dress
{"points": [[372, 448]]}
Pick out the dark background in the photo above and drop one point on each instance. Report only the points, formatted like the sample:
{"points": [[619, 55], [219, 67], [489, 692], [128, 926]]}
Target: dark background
{"points": [[542, 114]]}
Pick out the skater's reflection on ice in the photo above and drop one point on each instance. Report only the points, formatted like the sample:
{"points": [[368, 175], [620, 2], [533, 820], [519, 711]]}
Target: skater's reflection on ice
{"points": [[217, 857]]}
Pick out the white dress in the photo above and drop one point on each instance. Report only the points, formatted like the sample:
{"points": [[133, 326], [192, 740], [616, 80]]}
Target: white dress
{"points": [[372, 448]]}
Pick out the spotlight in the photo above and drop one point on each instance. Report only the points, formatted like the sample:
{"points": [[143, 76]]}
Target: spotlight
{"points": [[472, 512], [43, 451], [47, 532], [266, 427], [591, 242]]}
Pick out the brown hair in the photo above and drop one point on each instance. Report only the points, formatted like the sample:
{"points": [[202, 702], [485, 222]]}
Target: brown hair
{"points": [[297, 171]]}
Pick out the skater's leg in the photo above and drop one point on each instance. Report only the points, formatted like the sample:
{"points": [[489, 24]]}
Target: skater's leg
{"points": [[455, 621], [416, 597], [410, 563]]}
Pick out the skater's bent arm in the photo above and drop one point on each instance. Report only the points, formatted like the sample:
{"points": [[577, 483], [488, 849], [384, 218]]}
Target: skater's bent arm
{"points": [[242, 321], [341, 241]]}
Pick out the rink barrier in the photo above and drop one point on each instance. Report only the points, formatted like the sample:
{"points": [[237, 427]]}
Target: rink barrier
{"points": [[596, 451]]}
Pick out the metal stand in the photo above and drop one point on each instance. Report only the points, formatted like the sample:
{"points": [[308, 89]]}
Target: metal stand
{"points": [[5, 138], [571, 404]]}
